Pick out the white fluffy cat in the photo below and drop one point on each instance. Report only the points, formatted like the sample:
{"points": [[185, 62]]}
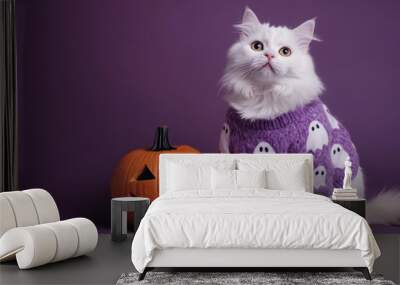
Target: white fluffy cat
{"points": [[270, 73], [258, 92]]}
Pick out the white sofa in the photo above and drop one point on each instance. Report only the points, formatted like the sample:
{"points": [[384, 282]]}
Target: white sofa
{"points": [[31, 230]]}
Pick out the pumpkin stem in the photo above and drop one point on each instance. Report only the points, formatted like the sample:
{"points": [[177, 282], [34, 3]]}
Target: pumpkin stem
{"points": [[161, 141]]}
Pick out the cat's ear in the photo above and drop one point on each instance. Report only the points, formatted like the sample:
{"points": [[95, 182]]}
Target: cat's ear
{"points": [[249, 17], [305, 34], [249, 21]]}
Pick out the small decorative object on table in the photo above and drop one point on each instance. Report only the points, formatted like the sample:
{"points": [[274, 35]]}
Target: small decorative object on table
{"points": [[347, 196], [344, 194], [347, 192], [347, 174], [119, 208]]}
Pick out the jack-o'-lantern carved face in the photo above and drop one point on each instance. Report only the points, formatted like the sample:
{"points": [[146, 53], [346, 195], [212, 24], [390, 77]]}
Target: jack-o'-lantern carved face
{"points": [[145, 175], [137, 172]]}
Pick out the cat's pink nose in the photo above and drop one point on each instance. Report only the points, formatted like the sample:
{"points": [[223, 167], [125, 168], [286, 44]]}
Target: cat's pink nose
{"points": [[269, 56]]}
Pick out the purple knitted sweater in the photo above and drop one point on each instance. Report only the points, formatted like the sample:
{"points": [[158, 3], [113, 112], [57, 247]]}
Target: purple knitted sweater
{"points": [[307, 129]]}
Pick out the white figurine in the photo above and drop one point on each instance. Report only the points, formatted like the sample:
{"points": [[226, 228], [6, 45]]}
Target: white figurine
{"points": [[347, 174]]}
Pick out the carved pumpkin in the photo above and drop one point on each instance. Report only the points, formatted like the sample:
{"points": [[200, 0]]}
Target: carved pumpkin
{"points": [[137, 172]]}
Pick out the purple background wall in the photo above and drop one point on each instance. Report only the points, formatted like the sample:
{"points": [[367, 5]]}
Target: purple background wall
{"points": [[96, 77]]}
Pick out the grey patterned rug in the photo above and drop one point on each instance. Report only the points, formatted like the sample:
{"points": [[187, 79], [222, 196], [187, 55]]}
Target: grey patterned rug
{"points": [[231, 278]]}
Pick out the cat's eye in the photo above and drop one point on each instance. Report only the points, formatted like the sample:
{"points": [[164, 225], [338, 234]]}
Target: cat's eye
{"points": [[285, 51], [257, 46]]}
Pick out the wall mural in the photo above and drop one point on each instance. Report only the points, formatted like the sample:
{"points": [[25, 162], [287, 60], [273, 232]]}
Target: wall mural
{"points": [[273, 92], [89, 101]]}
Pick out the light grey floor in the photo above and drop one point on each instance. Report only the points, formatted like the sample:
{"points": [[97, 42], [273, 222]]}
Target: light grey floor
{"points": [[389, 263], [103, 266], [111, 259]]}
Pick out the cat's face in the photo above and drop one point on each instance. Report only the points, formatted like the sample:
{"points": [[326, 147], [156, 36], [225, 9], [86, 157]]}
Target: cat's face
{"points": [[269, 70], [265, 53]]}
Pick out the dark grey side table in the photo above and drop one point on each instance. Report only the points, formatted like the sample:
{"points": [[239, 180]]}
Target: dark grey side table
{"points": [[357, 206], [119, 215]]}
